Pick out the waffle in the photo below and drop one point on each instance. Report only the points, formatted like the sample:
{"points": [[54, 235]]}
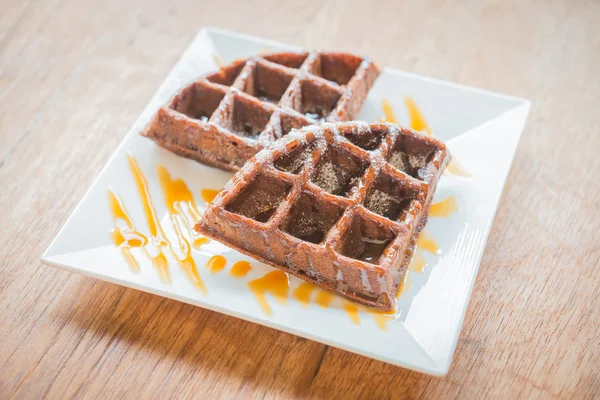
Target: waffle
{"points": [[225, 118], [339, 205]]}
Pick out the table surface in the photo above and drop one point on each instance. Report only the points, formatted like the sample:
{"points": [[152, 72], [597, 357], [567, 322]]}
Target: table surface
{"points": [[75, 75]]}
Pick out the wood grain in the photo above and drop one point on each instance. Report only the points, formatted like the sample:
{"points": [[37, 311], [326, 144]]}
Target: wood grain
{"points": [[74, 75]]}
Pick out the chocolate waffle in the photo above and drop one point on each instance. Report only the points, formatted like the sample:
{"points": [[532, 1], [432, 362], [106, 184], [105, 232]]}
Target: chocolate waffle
{"points": [[339, 205], [223, 119]]}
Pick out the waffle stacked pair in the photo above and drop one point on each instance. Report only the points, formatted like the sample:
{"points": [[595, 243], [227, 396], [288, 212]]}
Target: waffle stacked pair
{"points": [[339, 205], [225, 118]]}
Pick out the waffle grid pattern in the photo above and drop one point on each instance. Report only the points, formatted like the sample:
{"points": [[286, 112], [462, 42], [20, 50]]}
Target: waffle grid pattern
{"points": [[340, 205], [225, 118]]}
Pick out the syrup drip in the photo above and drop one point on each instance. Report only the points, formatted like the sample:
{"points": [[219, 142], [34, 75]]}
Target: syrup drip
{"points": [[276, 283], [417, 121], [352, 311], [456, 169], [426, 242], [240, 269], [126, 237], [159, 261], [208, 195], [444, 208], [303, 293], [216, 264]]}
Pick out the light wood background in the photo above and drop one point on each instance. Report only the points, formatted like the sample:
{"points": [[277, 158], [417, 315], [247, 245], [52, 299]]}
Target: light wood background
{"points": [[75, 75]]}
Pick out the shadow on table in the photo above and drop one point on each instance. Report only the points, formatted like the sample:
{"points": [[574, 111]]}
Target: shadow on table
{"points": [[169, 343]]}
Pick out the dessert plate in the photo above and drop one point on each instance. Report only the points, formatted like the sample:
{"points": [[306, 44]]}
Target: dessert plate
{"points": [[133, 225]]}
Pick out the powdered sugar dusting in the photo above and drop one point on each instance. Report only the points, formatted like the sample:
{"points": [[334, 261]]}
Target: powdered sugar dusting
{"points": [[382, 284], [365, 280], [417, 161], [329, 178], [380, 202], [397, 160]]}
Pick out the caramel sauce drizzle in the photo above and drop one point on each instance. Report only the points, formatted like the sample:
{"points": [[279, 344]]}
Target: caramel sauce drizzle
{"points": [[417, 120], [444, 208], [178, 197], [208, 195], [276, 283], [240, 269], [183, 213], [159, 261], [180, 201], [388, 112], [125, 238]]}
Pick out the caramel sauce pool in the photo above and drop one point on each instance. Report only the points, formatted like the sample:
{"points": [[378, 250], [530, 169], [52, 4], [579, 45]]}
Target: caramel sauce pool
{"points": [[216, 264], [240, 269]]}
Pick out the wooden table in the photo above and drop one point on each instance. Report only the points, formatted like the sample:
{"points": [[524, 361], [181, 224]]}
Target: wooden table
{"points": [[75, 75]]}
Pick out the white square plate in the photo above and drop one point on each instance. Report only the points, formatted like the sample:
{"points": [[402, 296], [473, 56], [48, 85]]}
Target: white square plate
{"points": [[481, 129]]}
